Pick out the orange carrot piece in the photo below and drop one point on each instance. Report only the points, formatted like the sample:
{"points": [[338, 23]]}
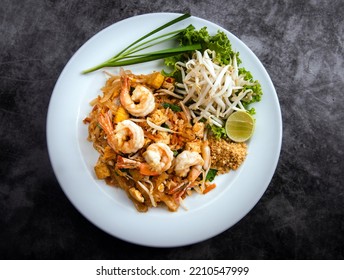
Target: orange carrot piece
{"points": [[209, 188]]}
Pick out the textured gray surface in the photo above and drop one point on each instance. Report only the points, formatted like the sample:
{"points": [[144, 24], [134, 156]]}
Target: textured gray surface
{"points": [[301, 45]]}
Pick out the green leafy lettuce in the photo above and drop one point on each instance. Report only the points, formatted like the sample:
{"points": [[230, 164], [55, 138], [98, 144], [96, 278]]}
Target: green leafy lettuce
{"points": [[218, 43], [218, 132], [256, 88]]}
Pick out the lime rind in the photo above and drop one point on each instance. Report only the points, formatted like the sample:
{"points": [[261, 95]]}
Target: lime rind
{"points": [[240, 126]]}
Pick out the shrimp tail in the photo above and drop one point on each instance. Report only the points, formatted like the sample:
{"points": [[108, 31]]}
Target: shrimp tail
{"points": [[179, 194], [145, 170], [127, 163], [105, 123], [125, 86], [194, 172]]}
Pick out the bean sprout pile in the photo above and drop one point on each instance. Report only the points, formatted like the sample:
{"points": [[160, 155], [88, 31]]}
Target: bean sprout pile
{"points": [[212, 92]]}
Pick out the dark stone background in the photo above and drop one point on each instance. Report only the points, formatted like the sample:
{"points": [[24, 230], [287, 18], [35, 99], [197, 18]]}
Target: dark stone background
{"points": [[301, 45]]}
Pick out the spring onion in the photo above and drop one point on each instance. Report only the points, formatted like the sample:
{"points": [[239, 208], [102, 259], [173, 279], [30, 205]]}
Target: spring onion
{"points": [[129, 55], [173, 107]]}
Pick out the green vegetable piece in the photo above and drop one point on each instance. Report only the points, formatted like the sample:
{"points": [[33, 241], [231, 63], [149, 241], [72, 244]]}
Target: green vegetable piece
{"points": [[127, 55], [219, 132], [174, 108], [211, 175], [218, 43], [155, 31], [256, 88]]}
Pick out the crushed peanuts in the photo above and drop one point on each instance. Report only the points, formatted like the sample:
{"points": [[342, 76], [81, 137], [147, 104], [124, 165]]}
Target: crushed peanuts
{"points": [[226, 155]]}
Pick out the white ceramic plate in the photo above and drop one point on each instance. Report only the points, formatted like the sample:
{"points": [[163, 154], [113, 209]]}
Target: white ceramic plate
{"points": [[73, 157]]}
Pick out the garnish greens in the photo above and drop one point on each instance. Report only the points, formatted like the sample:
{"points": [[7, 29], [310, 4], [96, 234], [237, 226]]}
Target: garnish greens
{"points": [[218, 43], [130, 55], [211, 175], [173, 107], [218, 131]]}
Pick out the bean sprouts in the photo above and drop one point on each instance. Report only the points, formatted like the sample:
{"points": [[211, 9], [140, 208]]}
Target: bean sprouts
{"points": [[211, 91]]}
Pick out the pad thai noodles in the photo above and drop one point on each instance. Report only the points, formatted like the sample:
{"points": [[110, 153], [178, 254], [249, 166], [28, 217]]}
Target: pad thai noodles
{"points": [[154, 143]]}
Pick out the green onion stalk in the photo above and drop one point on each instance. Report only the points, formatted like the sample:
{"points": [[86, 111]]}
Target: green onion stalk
{"points": [[130, 56]]}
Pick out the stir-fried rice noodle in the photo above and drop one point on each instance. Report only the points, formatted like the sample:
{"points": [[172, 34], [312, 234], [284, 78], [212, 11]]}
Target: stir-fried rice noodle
{"points": [[145, 155]]}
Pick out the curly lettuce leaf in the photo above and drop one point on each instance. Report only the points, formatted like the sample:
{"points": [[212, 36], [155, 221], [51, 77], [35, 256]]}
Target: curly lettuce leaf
{"points": [[223, 48], [218, 132], [256, 88], [218, 43]]}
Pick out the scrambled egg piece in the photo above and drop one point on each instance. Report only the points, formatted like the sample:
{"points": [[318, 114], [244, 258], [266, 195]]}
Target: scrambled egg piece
{"points": [[158, 117]]}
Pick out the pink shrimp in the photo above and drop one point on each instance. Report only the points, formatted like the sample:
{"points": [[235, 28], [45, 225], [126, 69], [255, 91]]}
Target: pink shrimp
{"points": [[187, 160], [158, 157], [127, 137], [141, 102]]}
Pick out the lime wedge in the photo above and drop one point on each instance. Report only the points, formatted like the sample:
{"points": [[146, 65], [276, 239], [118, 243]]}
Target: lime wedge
{"points": [[239, 126]]}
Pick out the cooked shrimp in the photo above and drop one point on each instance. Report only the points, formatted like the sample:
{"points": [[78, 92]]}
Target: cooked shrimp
{"points": [[127, 137], [187, 160], [159, 157], [141, 102]]}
